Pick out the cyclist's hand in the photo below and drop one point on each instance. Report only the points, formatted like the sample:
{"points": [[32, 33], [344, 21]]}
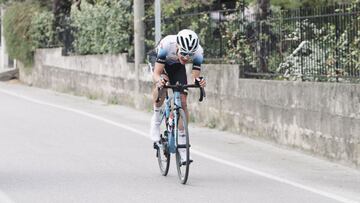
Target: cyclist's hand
{"points": [[201, 81], [161, 82]]}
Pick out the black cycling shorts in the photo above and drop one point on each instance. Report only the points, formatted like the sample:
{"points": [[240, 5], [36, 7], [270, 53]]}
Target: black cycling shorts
{"points": [[176, 73]]}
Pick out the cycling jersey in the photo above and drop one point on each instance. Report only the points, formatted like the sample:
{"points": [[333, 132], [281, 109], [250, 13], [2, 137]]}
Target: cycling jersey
{"points": [[167, 53]]}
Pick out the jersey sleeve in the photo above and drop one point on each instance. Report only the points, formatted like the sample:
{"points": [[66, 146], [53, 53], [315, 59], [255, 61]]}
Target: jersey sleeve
{"points": [[161, 52], [198, 59]]}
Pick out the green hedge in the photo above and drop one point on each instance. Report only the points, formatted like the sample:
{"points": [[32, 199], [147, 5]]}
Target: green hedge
{"points": [[17, 23], [42, 32], [102, 28]]}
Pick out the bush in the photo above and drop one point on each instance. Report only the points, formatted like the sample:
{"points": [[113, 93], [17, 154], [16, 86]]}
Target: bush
{"points": [[42, 32], [102, 28], [17, 22], [238, 49]]}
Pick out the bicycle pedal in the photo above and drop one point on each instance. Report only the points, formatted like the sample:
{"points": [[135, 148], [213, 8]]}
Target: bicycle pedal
{"points": [[182, 146], [184, 162], [155, 146]]}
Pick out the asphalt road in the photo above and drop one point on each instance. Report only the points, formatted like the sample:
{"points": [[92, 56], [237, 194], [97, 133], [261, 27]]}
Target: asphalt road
{"points": [[61, 148]]}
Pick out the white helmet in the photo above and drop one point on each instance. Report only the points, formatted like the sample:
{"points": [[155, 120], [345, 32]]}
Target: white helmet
{"points": [[187, 41]]}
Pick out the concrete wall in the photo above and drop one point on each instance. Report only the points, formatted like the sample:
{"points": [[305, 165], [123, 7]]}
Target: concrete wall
{"points": [[320, 118], [106, 77]]}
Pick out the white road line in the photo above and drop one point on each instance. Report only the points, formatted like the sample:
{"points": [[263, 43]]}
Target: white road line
{"points": [[278, 179], [213, 158]]}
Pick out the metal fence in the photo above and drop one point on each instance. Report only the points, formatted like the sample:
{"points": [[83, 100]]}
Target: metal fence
{"points": [[312, 43], [207, 21]]}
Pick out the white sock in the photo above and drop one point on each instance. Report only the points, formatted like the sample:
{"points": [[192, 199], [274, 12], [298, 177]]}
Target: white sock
{"points": [[157, 113], [182, 137], [182, 141], [155, 125]]}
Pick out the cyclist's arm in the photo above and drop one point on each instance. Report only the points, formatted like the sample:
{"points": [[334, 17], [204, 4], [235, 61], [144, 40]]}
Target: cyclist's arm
{"points": [[195, 73], [158, 70], [160, 62], [197, 61]]}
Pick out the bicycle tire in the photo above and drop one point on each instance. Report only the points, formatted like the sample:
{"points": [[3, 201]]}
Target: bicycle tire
{"points": [[183, 169], [163, 154]]}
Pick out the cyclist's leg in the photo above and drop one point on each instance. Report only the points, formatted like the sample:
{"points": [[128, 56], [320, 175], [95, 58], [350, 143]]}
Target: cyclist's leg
{"points": [[182, 132], [178, 74], [156, 118]]}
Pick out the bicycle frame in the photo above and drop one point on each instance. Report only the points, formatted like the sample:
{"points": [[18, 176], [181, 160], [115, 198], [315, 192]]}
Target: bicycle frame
{"points": [[172, 137]]}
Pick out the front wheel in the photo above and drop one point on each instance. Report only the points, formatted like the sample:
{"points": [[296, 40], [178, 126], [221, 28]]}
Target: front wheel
{"points": [[184, 148]]}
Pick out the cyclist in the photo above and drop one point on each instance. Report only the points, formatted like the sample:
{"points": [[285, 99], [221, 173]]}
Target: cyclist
{"points": [[172, 53]]}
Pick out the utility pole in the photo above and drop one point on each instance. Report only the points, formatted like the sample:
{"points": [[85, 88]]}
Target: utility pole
{"points": [[157, 21], [139, 14], [139, 41]]}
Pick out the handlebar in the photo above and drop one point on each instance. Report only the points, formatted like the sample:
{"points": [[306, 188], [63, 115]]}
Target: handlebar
{"points": [[179, 87]]}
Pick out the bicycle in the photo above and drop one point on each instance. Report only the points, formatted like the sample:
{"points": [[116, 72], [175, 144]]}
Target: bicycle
{"points": [[168, 143]]}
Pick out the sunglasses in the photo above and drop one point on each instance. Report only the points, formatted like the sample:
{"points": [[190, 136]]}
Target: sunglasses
{"points": [[184, 54]]}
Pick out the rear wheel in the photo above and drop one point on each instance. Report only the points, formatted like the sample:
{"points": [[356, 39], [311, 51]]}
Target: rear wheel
{"points": [[183, 165]]}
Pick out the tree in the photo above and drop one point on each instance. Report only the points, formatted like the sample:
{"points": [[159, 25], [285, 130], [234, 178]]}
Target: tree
{"points": [[61, 11], [43, 3]]}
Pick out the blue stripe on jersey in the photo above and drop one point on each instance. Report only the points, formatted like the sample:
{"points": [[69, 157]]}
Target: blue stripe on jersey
{"points": [[162, 53], [197, 60]]}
